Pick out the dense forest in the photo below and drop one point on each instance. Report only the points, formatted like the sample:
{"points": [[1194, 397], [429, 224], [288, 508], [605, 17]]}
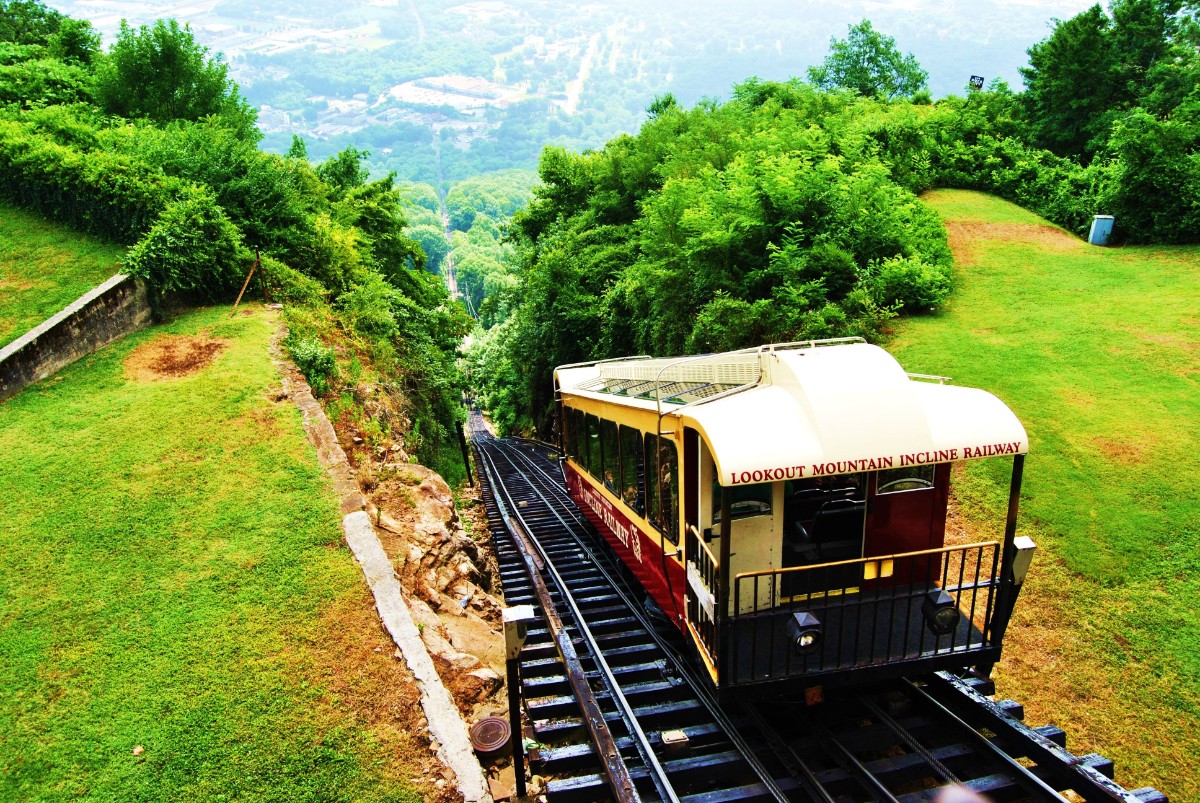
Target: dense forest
{"points": [[151, 146], [791, 211]]}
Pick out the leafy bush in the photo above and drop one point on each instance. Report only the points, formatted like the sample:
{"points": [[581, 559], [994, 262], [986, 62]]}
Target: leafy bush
{"points": [[192, 248], [909, 284], [315, 361], [112, 195], [290, 286], [368, 307]]}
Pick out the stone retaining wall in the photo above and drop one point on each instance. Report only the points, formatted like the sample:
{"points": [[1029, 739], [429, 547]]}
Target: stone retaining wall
{"points": [[104, 314]]}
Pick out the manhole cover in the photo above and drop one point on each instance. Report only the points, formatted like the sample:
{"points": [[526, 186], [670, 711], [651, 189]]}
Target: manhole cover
{"points": [[490, 735]]}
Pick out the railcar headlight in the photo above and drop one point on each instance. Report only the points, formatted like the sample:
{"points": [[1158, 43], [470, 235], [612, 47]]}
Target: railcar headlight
{"points": [[804, 631], [940, 612]]}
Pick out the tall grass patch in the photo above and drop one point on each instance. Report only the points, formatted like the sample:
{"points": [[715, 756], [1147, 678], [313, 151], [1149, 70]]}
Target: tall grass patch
{"points": [[170, 559]]}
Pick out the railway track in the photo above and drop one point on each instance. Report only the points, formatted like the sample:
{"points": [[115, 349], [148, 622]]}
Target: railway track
{"points": [[621, 714]]}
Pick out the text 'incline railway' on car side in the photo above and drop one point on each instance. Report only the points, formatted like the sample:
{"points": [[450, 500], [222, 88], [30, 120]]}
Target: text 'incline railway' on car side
{"points": [[786, 507]]}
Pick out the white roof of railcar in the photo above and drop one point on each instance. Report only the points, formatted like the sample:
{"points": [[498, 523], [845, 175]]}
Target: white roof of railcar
{"points": [[781, 413]]}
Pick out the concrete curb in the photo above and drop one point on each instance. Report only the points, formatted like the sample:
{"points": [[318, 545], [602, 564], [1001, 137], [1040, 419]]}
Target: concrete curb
{"points": [[446, 725]]}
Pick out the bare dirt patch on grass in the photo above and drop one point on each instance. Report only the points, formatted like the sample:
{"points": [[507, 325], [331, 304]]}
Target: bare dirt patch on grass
{"points": [[1125, 453], [965, 237], [1176, 340], [16, 285], [172, 357]]}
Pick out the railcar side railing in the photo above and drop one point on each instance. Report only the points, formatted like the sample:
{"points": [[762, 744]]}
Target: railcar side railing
{"points": [[703, 593], [890, 610]]}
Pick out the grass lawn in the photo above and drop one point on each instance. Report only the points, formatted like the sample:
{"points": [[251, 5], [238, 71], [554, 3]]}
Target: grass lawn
{"points": [[1098, 352], [44, 267], [178, 619]]}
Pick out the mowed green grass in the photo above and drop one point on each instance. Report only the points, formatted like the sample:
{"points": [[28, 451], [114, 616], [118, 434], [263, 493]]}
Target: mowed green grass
{"points": [[1098, 352], [170, 571], [44, 267]]}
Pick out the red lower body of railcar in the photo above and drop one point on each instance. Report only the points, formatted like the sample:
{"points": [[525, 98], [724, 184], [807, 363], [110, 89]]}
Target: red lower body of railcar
{"points": [[662, 577]]}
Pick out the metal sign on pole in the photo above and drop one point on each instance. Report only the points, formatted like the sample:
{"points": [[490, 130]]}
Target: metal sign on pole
{"points": [[976, 83]]}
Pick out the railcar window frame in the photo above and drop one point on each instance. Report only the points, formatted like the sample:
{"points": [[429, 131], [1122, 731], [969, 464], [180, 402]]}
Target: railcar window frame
{"points": [[906, 480], [592, 437], [745, 501], [633, 472], [610, 450], [576, 420], [668, 480], [576, 429]]}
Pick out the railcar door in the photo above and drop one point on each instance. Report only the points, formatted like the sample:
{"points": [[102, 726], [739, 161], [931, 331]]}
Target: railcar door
{"points": [[823, 524], [756, 530], [702, 567], [906, 513]]}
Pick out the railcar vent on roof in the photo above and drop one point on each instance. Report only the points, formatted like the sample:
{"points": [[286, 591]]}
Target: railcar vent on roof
{"points": [[673, 392], [721, 369]]}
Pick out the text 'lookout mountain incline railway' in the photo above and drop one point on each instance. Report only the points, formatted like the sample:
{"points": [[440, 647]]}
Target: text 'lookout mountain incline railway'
{"points": [[899, 740]]}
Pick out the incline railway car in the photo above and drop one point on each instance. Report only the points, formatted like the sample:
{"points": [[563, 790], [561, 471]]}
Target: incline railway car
{"points": [[786, 507]]}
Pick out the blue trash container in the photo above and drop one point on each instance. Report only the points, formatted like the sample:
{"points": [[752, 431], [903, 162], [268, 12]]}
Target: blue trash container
{"points": [[1102, 226]]}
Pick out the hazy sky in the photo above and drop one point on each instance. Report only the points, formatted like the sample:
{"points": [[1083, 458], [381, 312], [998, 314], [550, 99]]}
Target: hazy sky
{"points": [[951, 38]]}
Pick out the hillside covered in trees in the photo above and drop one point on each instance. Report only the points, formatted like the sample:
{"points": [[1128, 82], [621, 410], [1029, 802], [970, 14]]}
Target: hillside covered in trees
{"points": [[150, 146], [791, 212]]}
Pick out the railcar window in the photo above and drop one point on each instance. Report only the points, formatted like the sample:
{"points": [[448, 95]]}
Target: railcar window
{"points": [[912, 478], [611, 449], [744, 501], [593, 445], [577, 435], [632, 469], [662, 486], [580, 439]]}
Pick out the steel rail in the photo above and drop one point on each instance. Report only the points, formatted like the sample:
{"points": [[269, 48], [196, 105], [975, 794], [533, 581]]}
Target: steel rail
{"points": [[1086, 781], [679, 662], [796, 765], [614, 765], [1032, 784], [906, 737], [644, 747]]}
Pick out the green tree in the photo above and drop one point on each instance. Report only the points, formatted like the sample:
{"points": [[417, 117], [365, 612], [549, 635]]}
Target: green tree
{"points": [[75, 41], [662, 104], [1070, 84], [868, 62], [27, 22], [1093, 69], [344, 171], [161, 73], [1142, 35], [298, 149], [376, 210]]}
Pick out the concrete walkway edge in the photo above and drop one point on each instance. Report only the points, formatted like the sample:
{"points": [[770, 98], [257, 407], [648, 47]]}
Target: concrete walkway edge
{"points": [[446, 725]]}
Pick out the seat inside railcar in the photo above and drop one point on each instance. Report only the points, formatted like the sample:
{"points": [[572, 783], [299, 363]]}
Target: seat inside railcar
{"points": [[823, 519]]}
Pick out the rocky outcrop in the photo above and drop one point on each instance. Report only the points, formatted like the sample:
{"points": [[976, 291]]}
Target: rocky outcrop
{"points": [[446, 573]]}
